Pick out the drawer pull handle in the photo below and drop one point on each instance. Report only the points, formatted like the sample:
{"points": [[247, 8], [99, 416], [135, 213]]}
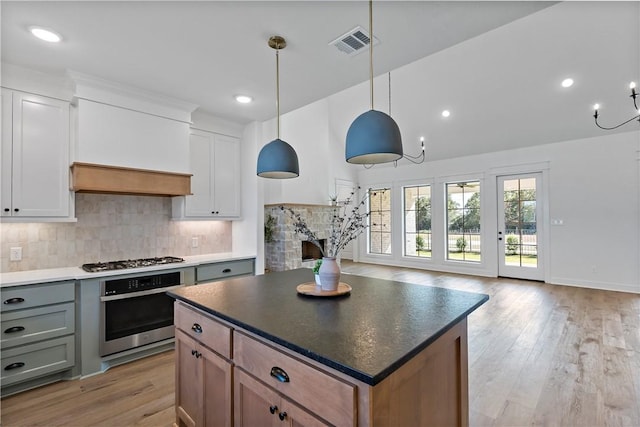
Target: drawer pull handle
{"points": [[15, 365], [14, 329], [282, 416], [14, 300], [279, 374], [273, 409], [226, 270], [196, 328]]}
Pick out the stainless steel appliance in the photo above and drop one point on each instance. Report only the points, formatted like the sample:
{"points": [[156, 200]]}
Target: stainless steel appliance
{"points": [[136, 311]]}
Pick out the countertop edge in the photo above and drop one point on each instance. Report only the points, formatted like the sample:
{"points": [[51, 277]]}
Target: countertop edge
{"points": [[30, 277], [371, 380]]}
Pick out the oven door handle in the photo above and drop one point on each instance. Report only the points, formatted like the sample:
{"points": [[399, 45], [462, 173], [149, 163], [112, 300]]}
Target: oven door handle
{"points": [[139, 294]]}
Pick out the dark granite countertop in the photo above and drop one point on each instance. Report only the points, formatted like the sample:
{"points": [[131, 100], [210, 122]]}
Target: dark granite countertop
{"points": [[367, 334]]}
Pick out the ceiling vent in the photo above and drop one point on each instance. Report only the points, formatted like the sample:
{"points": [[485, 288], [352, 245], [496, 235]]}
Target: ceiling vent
{"points": [[353, 42]]}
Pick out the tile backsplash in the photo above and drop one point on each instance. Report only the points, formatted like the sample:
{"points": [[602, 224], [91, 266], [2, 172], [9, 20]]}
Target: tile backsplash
{"points": [[111, 227]]}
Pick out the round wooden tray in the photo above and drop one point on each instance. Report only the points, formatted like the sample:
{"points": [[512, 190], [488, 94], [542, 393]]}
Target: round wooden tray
{"points": [[310, 289]]}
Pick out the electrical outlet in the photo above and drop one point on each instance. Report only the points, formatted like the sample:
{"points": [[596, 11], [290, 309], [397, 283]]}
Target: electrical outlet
{"points": [[194, 242], [15, 254]]}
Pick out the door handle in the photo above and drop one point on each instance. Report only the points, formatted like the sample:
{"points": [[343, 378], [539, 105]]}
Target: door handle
{"points": [[14, 329], [14, 300]]}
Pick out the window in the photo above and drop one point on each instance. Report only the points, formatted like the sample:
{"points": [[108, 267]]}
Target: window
{"points": [[463, 221], [379, 221], [417, 221]]}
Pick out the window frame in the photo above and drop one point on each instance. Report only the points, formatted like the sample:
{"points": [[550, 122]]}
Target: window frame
{"points": [[404, 211], [463, 209], [390, 225]]}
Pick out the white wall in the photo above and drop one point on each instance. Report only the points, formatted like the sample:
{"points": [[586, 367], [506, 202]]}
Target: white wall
{"points": [[247, 232], [593, 187]]}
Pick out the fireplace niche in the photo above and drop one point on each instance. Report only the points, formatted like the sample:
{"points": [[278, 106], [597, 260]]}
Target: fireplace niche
{"points": [[311, 251]]}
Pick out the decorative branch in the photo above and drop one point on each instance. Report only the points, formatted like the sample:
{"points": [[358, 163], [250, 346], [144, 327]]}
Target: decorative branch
{"points": [[347, 223]]}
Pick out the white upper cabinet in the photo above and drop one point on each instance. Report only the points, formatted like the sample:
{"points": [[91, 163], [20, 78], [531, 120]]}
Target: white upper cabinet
{"points": [[215, 184], [35, 156]]}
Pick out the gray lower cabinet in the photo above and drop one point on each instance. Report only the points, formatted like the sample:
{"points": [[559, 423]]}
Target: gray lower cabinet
{"points": [[38, 334], [223, 270]]}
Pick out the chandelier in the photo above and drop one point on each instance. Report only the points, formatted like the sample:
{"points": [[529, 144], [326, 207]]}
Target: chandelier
{"points": [[633, 96]]}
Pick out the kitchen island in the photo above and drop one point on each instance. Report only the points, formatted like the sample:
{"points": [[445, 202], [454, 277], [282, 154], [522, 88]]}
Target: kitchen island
{"points": [[388, 353]]}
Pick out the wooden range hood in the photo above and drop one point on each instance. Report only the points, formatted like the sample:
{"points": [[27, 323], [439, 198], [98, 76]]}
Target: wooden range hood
{"points": [[93, 178]]}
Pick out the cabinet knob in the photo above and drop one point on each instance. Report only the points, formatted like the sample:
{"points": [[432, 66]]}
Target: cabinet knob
{"points": [[14, 329], [7, 209], [282, 416], [14, 300], [273, 409], [16, 210], [15, 365], [279, 374], [196, 328]]}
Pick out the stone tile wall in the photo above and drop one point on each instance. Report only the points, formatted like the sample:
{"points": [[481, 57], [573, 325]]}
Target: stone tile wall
{"points": [[285, 251], [111, 227]]}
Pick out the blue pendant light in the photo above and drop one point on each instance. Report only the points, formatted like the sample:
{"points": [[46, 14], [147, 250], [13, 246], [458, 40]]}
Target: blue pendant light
{"points": [[278, 159], [373, 137]]}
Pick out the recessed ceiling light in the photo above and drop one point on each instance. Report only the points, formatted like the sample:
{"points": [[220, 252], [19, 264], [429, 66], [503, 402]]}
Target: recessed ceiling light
{"points": [[596, 106], [243, 99], [45, 34], [446, 113], [632, 85], [567, 83]]}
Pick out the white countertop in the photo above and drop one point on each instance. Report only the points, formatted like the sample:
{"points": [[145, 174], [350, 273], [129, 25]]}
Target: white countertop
{"points": [[30, 277]]}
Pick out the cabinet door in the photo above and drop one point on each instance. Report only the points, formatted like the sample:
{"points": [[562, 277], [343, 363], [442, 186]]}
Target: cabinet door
{"points": [[189, 386], [255, 404], [226, 176], [5, 153], [199, 204], [40, 161], [203, 385]]}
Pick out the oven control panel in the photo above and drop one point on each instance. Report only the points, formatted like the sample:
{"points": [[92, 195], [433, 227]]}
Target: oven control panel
{"points": [[141, 283]]}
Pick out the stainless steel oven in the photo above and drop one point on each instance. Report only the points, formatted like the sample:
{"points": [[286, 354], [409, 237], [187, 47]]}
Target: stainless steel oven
{"points": [[136, 311]]}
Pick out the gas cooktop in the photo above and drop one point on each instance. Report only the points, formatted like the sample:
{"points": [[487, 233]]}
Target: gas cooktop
{"points": [[129, 263]]}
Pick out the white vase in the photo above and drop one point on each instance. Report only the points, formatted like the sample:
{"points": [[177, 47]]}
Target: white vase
{"points": [[329, 274], [317, 276]]}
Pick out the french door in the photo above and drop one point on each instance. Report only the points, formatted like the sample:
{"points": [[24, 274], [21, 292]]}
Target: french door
{"points": [[520, 237]]}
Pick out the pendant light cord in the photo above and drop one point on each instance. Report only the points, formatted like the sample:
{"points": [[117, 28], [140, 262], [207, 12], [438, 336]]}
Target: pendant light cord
{"points": [[278, 89], [371, 51], [389, 93]]}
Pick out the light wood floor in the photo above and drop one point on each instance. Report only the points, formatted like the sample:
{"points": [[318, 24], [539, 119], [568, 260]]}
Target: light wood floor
{"points": [[538, 355]]}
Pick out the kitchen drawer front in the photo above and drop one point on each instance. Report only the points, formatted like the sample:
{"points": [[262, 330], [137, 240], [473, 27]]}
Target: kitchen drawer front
{"points": [[37, 324], [21, 297], [221, 270], [309, 387], [34, 360], [204, 329]]}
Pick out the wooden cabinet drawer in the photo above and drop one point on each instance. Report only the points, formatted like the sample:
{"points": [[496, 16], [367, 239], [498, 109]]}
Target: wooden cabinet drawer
{"points": [[308, 386], [221, 270], [33, 360], [204, 329], [21, 297], [36, 324]]}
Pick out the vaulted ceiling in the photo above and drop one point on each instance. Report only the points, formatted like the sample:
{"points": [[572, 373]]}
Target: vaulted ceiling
{"points": [[496, 65]]}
